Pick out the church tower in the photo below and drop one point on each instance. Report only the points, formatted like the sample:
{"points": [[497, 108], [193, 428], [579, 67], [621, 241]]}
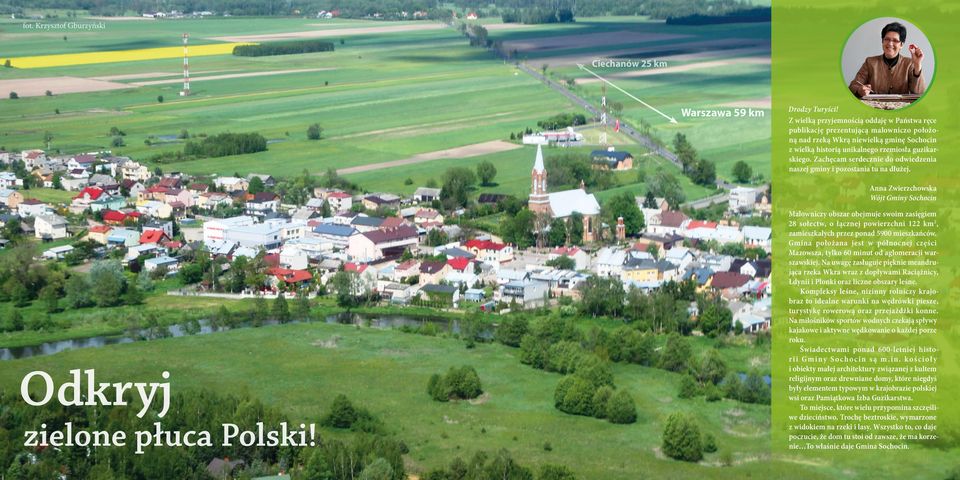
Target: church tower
{"points": [[539, 200]]}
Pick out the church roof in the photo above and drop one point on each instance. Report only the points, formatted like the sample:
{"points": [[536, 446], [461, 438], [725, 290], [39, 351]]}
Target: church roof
{"points": [[564, 203], [538, 164]]}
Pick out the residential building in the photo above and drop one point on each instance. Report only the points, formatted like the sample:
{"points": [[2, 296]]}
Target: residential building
{"points": [[263, 203], [742, 199], [377, 244], [426, 195], [10, 198], [9, 180], [488, 251], [50, 227], [31, 207], [337, 235]]}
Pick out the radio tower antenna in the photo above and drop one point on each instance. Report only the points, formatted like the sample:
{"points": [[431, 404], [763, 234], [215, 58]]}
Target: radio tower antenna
{"points": [[603, 114], [186, 68]]}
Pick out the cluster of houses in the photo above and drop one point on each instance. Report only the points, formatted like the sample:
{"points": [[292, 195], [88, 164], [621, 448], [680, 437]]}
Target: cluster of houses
{"points": [[156, 219]]}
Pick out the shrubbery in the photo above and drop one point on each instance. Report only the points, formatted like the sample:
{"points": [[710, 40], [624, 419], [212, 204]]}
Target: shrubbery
{"points": [[224, 144], [458, 383], [283, 48]]}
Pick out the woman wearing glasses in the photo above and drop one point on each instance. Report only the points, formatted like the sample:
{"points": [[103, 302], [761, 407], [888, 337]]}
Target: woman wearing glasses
{"points": [[891, 73]]}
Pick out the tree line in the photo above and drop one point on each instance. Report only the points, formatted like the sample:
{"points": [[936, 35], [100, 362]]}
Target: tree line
{"points": [[283, 48]]}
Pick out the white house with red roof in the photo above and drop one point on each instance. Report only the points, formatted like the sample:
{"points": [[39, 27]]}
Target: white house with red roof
{"points": [[292, 278], [580, 258], [488, 251], [428, 216], [87, 196]]}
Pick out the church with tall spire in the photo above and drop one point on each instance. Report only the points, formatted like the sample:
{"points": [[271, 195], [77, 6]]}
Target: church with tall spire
{"points": [[564, 203]]}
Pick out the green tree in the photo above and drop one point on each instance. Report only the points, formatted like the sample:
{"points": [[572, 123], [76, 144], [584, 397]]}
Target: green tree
{"points": [[712, 368], [256, 185], [681, 438], [77, 291], [317, 467], [457, 182], [301, 308], [281, 312], [342, 413], [314, 132], [511, 330], [159, 98], [519, 229], [704, 173], [16, 321], [378, 469], [689, 387], [621, 408], [133, 295], [562, 262], [557, 235], [50, 296], [624, 205], [259, 310], [664, 184], [107, 283], [649, 201], [555, 472], [676, 354], [742, 172], [575, 228], [348, 288], [486, 171], [13, 95], [601, 296]]}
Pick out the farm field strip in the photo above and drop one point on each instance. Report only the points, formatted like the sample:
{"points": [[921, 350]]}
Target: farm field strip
{"points": [[340, 32], [63, 60], [230, 75]]}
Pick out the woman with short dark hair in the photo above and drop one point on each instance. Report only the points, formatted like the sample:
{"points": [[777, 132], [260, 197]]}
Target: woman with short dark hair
{"points": [[891, 73]]}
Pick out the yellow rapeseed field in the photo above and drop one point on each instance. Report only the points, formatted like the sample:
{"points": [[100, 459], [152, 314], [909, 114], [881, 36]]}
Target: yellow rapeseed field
{"points": [[67, 59]]}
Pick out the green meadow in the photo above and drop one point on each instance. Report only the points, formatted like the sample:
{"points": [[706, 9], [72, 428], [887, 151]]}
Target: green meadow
{"points": [[286, 367], [379, 97]]}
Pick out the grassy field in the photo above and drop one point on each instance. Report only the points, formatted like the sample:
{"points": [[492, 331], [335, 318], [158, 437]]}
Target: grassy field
{"points": [[379, 97], [518, 413]]}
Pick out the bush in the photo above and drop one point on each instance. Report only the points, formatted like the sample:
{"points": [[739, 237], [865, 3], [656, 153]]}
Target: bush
{"points": [[14, 96], [688, 387], [344, 415], [458, 383], [621, 408], [314, 132], [709, 443], [511, 331], [226, 144], [676, 354], [681, 438]]}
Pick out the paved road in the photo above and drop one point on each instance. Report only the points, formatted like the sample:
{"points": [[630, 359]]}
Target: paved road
{"points": [[624, 126], [707, 202]]}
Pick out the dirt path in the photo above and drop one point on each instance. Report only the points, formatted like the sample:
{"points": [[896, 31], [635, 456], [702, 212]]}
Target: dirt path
{"points": [[230, 75], [37, 87], [466, 151], [336, 32], [134, 76]]}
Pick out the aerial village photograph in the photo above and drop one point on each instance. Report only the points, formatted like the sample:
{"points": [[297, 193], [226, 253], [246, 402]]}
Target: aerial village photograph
{"points": [[521, 239]]}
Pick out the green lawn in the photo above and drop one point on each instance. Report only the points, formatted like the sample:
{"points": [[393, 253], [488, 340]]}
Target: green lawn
{"points": [[285, 369]]}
